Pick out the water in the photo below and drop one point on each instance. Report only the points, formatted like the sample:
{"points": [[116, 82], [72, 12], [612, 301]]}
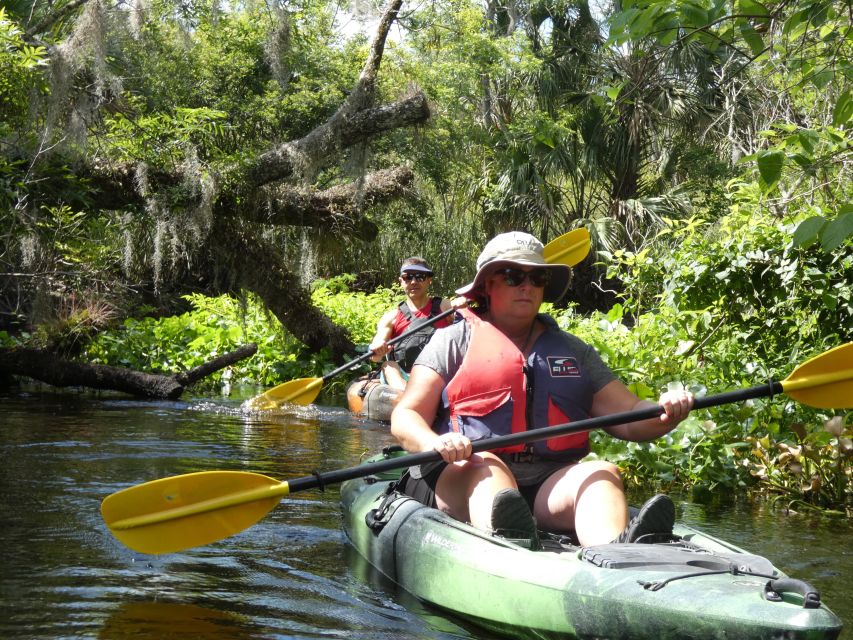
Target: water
{"points": [[292, 575]]}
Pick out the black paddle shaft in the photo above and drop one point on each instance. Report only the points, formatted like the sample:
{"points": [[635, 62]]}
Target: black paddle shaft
{"points": [[332, 477], [415, 328]]}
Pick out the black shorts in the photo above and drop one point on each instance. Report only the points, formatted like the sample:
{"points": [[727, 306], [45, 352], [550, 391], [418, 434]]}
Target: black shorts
{"points": [[420, 482]]}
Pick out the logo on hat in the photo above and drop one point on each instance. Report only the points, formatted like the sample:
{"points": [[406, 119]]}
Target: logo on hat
{"points": [[563, 367]]}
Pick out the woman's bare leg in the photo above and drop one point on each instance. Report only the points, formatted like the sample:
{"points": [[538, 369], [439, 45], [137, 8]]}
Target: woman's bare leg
{"points": [[586, 498]]}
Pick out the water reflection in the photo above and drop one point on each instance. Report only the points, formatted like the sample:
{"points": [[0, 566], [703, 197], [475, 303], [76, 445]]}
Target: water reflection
{"points": [[291, 574], [157, 620]]}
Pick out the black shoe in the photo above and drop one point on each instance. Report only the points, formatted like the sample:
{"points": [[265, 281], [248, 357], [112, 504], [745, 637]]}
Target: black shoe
{"points": [[511, 517], [656, 517]]}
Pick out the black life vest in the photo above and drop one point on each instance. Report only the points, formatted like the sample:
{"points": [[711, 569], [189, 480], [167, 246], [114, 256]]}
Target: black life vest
{"points": [[406, 351]]}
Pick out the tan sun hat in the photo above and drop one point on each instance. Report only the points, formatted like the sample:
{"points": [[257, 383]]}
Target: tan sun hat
{"points": [[517, 248]]}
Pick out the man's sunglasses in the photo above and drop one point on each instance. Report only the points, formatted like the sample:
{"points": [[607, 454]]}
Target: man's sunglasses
{"points": [[420, 277], [515, 277]]}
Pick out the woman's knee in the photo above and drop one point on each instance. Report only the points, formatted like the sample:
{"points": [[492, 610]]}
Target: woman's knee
{"points": [[474, 479], [595, 474], [603, 469], [482, 467]]}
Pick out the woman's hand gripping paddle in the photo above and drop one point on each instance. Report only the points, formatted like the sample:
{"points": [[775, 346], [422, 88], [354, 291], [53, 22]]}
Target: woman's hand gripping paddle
{"points": [[570, 249], [195, 509]]}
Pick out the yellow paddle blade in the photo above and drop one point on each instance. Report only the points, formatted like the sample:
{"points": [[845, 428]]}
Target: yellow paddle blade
{"points": [[190, 510], [301, 391], [570, 248], [825, 381]]}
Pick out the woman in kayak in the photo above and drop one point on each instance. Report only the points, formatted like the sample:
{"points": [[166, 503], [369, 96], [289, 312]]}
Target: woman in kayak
{"points": [[507, 368], [415, 278]]}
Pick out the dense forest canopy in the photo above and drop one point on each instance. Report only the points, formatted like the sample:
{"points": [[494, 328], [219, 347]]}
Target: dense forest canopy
{"points": [[152, 149]]}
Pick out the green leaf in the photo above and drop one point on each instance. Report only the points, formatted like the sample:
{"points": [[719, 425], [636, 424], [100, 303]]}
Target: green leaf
{"points": [[807, 231], [694, 15], [836, 232], [755, 42], [751, 7], [809, 139], [616, 312], [770, 166], [843, 110], [613, 92], [823, 78], [793, 22]]}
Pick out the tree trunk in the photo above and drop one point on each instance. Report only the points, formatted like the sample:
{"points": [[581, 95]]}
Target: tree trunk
{"points": [[50, 368], [262, 273]]}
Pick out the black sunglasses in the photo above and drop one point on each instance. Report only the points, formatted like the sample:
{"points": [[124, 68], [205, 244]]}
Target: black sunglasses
{"points": [[420, 277], [513, 277]]}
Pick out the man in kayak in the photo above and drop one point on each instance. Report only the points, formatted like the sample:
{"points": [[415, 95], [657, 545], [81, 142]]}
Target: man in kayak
{"points": [[415, 278], [507, 368]]}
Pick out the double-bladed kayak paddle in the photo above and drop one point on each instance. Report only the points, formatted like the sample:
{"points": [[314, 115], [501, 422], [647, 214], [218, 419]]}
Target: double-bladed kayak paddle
{"points": [[195, 509]]}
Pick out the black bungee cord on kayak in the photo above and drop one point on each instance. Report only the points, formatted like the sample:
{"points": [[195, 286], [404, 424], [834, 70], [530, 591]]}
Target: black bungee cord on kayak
{"points": [[773, 589], [657, 585]]}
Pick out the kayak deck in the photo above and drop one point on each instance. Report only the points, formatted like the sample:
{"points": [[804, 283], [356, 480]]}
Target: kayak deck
{"points": [[694, 587]]}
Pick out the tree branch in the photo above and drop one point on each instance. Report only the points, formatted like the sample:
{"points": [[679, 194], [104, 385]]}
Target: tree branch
{"points": [[341, 206], [323, 143]]}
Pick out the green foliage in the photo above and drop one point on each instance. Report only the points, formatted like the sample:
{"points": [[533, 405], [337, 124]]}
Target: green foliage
{"points": [[222, 324], [716, 306], [21, 79], [650, 357], [20, 75], [358, 312], [163, 139], [214, 326], [265, 74], [801, 51], [754, 445]]}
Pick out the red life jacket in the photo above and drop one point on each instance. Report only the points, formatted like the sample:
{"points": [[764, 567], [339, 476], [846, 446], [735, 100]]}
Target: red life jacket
{"points": [[496, 392]]}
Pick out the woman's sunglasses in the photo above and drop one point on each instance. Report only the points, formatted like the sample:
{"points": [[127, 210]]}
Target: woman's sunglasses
{"points": [[420, 277], [515, 277]]}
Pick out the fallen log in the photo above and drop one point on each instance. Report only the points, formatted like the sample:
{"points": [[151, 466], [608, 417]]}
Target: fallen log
{"points": [[45, 366]]}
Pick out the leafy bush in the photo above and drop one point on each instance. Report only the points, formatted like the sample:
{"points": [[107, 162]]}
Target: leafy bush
{"points": [[218, 325], [724, 306], [214, 326]]}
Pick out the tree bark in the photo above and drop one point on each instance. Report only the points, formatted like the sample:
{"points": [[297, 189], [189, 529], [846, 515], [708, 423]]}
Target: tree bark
{"points": [[339, 207], [261, 271], [50, 368]]}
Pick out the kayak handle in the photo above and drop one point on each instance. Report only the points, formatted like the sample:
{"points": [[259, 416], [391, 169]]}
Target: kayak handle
{"points": [[774, 589]]}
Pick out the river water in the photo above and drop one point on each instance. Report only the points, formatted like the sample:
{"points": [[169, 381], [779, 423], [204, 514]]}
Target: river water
{"points": [[292, 575]]}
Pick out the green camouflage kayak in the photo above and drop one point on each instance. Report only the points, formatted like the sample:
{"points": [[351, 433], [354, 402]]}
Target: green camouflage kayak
{"points": [[695, 586]]}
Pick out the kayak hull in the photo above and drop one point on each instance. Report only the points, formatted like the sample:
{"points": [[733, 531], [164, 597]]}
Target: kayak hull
{"points": [[370, 398], [564, 591]]}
